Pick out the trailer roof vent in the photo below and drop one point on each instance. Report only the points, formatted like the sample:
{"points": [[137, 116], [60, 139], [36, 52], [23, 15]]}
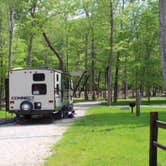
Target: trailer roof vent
{"points": [[38, 77]]}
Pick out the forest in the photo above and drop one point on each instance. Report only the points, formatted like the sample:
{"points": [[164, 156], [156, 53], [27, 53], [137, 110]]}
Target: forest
{"points": [[115, 43]]}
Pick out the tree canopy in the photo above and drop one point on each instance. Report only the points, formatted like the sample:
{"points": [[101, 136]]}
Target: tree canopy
{"points": [[119, 37]]}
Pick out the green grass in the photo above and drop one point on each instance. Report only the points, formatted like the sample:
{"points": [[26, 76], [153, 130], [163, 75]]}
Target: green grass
{"points": [[153, 101], [5, 115], [108, 137]]}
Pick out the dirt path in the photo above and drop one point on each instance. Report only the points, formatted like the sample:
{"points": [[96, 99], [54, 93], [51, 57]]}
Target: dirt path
{"points": [[30, 145]]}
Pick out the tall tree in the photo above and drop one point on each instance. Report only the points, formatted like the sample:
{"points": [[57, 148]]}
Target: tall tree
{"points": [[1, 62], [90, 17], [111, 53], [11, 35], [55, 51], [163, 34], [33, 9]]}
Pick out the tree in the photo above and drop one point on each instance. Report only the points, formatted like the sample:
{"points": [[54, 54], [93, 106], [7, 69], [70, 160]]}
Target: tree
{"points": [[54, 51], [11, 35], [91, 36], [33, 9], [163, 34], [111, 54]]}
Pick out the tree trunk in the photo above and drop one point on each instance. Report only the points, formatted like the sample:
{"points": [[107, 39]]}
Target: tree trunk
{"points": [[67, 53], [111, 55], [54, 51], [163, 34], [148, 94], [79, 82], [91, 26], [1, 66], [98, 84], [105, 83], [30, 50], [86, 66], [138, 102], [93, 64], [138, 96], [116, 89], [154, 91], [32, 34], [125, 80], [98, 80], [83, 86], [1, 79], [142, 88], [11, 34]]}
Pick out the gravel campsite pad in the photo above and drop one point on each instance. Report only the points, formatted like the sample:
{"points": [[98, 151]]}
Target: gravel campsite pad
{"points": [[30, 145]]}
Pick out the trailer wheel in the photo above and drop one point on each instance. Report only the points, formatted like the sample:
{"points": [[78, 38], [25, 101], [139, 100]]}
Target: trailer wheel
{"points": [[60, 114], [26, 106], [65, 111]]}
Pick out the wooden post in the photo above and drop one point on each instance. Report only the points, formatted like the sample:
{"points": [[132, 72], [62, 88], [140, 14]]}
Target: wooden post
{"points": [[153, 137]]}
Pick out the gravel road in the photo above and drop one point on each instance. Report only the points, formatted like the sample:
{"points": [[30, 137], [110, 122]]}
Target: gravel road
{"points": [[30, 145]]}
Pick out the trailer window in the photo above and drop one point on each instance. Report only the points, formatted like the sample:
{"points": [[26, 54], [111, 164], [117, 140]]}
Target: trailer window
{"points": [[57, 89], [57, 77], [39, 89], [38, 77]]}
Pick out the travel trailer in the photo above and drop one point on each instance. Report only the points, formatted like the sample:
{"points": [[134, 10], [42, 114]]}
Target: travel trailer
{"points": [[39, 92]]}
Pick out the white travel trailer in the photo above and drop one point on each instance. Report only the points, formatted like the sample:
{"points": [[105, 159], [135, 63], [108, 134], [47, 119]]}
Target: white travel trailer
{"points": [[39, 92]]}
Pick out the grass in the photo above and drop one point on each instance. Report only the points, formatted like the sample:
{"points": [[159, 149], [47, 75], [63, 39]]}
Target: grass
{"points": [[153, 101], [5, 115], [108, 136]]}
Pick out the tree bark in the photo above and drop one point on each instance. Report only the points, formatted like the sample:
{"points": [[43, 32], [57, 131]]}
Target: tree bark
{"points": [[111, 54], [11, 35], [91, 26], [2, 63], [30, 46], [79, 82], [30, 50], [98, 80], [138, 96], [84, 84], [58, 55], [125, 80], [149, 95], [116, 87], [86, 66], [1, 66], [93, 65], [105, 83], [1, 79], [138, 102], [163, 34]]}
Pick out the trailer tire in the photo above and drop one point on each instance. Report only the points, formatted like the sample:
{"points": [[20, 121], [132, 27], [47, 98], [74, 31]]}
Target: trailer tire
{"points": [[59, 115], [26, 106], [65, 111]]}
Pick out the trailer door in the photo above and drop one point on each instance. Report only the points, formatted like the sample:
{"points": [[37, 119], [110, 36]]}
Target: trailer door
{"points": [[58, 91]]}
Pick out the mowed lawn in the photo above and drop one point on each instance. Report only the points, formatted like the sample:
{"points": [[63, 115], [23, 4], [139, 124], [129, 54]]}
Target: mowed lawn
{"points": [[5, 115], [108, 136]]}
